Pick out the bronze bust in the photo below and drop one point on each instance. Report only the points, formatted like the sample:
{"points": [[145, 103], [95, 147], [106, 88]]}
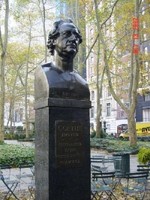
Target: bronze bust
{"points": [[63, 43]]}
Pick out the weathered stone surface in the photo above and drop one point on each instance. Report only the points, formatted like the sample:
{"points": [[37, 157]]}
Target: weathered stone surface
{"points": [[62, 154]]}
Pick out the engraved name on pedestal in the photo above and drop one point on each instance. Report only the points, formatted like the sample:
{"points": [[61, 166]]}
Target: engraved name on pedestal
{"points": [[69, 144]]}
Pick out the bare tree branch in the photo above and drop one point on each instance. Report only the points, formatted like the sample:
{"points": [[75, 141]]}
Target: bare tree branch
{"points": [[101, 26], [110, 13]]}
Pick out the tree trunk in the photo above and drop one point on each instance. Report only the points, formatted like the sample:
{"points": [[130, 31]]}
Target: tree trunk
{"points": [[132, 130], [26, 84], [134, 79], [3, 43], [44, 28], [98, 89], [10, 119], [2, 88], [134, 86]]}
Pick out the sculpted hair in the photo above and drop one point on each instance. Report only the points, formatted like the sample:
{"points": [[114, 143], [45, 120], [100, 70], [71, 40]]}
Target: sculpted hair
{"points": [[54, 34]]}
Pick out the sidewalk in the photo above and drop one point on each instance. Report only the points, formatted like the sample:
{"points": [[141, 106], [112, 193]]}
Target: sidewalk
{"points": [[133, 159], [22, 188], [13, 174], [24, 185]]}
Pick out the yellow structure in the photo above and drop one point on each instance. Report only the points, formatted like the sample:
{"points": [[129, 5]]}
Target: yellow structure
{"points": [[142, 130]]}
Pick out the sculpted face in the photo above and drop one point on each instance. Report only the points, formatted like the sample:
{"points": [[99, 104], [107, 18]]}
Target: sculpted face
{"points": [[66, 45]]}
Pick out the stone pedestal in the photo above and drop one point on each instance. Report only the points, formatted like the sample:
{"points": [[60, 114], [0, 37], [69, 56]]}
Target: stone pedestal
{"points": [[62, 157]]}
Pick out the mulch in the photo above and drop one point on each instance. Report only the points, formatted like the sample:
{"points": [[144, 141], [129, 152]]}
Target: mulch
{"points": [[22, 195]]}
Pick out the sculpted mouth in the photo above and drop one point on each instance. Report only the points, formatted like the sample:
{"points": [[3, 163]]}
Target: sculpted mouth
{"points": [[71, 45]]}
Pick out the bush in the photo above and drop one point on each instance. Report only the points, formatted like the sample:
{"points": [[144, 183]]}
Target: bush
{"points": [[101, 134], [111, 144], [13, 136], [15, 155], [1, 142], [93, 134], [18, 136], [19, 128], [144, 155]]}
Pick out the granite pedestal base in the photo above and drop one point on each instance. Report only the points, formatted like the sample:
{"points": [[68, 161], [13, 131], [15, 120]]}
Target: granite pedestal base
{"points": [[63, 151]]}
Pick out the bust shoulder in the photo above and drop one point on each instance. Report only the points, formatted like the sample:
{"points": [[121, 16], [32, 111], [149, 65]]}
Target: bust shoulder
{"points": [[50, 67], [65, 83]]}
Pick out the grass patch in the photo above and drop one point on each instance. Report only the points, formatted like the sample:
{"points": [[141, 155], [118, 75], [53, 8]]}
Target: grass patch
{"points": [[15, 155]]}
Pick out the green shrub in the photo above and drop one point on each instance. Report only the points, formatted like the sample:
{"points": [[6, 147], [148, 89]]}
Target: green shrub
{"points": [[93, 134], [15, 155], [116, 145], [144, 155], [1, 142], [22, 136], [19, 128], [14, 136], [32, 135], [101, 134]]}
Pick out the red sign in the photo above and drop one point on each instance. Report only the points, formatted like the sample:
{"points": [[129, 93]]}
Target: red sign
{"points": [[135, 36], [135, 49], [135, 23]]}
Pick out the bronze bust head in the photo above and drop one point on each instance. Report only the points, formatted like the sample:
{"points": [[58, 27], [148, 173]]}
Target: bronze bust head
{"points": [[64, 40], [63, 81]]}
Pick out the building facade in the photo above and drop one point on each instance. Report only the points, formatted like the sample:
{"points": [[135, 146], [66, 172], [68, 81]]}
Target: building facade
{"points": [[143, 108]]}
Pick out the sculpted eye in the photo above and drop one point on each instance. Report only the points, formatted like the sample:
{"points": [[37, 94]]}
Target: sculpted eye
{"points": [[67, 33], [77, 35]]}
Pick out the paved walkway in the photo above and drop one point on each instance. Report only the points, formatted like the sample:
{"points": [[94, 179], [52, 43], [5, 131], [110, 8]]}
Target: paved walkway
{"points": [[23, 185], [14, 174], [133, 159]]}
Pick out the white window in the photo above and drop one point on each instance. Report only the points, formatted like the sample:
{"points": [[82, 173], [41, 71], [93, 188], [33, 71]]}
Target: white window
{"points": [[108, 92], [91, 71], [92, 95], [146, 115], [91, 126], [145, 36], [146, 66], [143, 10], [92, 59], [144, 24], [146, 50], [108, 111], [91, 34], [91, 31], [129, 64], [147, 97], [92, 112], [108, 127]]}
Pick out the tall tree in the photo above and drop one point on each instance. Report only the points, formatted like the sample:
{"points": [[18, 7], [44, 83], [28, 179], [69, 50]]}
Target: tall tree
{"points": [[26, 20], [26, 78], [3, 46], [44, 11], [101, 21], [133, 83], [111, 61], [98, 82]]}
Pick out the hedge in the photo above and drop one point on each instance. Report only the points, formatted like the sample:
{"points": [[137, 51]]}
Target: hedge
{"points": [[14, 155]]}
